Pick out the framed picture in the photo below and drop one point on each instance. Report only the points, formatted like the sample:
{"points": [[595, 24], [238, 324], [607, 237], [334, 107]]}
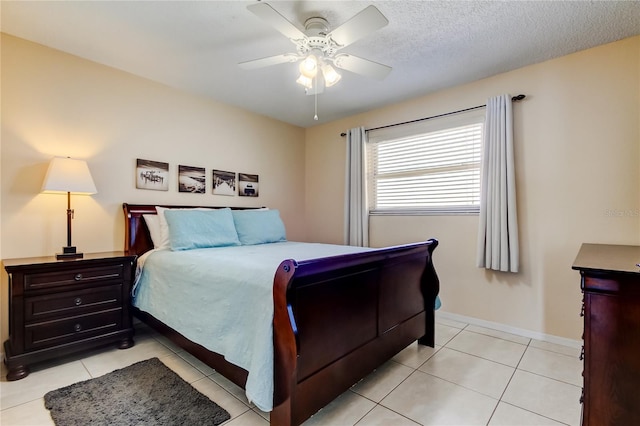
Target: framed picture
{"points": [[224, 183], [247, 185], [152, 175], [191, 179]]}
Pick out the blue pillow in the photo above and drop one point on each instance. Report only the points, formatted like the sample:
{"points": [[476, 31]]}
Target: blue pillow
{"points": [[191, 229], [259, 226]]}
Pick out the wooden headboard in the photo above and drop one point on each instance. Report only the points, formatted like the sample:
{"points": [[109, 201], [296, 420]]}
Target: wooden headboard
{"points": [[136, 234]]}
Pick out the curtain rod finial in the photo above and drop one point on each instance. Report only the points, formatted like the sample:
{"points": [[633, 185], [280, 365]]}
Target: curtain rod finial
{"points": [[518, 98]]}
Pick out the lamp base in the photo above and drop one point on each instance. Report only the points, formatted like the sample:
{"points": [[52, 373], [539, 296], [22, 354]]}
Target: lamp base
{"points": [[69, 252]]}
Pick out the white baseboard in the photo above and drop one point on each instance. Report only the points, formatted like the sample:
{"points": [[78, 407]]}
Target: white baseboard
{"points": [[509, 329]]}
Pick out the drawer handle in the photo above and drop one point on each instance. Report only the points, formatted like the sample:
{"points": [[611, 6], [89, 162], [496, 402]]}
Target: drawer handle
{"points": [[77, 327], [78, 301], [582, 354], [78, 277], [582, 310]]}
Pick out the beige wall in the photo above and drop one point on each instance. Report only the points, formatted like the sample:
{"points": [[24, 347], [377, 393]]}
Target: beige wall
{"points": [[54, 104], [577, 152], [577, 144]]}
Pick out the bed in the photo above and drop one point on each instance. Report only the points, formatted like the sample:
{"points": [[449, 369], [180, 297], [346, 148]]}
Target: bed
{"points": [[335, 319]]}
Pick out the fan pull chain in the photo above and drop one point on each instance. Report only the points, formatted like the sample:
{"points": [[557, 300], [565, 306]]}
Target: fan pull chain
{"points": [[315, 78], [315, 117]]}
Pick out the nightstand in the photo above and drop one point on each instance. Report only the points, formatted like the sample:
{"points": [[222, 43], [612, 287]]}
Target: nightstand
{"points": [[58, 307]]}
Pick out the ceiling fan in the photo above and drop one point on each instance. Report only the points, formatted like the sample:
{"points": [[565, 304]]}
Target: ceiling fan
{"points": [[317, 48]]}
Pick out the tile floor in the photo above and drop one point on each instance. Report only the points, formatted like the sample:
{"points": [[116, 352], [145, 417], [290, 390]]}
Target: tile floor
{"points": [[474, 376]]}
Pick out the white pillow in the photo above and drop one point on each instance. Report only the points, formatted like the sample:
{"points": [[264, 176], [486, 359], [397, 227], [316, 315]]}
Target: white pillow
{"points": [[153, 225]]}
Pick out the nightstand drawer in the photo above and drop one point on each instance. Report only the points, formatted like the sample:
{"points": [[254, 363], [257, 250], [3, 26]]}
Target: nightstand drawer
{"points": [[58, 332], [77, 276], [72, 303]]}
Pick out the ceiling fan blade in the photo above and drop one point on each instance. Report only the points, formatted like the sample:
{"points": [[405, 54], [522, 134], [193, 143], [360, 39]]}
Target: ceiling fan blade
{"points": [[362, 66], [276, 20], [365, 22], [268, 61]]}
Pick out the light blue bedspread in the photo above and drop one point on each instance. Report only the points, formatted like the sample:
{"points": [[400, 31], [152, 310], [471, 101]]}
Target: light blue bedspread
{"points": [[230, 313]]}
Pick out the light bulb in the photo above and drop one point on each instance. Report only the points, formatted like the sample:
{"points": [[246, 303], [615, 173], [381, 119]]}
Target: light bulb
{"points": [[309, 66]]}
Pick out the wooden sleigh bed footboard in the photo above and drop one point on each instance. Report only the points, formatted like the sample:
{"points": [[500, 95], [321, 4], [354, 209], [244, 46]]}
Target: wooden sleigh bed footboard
{"points": [[338, 319], [335, 320]]}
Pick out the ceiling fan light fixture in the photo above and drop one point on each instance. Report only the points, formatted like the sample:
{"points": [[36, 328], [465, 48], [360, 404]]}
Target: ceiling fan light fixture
{"points": [[318, 45], [309, 66], [331, 76]]}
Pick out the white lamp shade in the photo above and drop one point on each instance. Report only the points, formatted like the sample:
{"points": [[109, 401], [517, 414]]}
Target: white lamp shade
{"points": [[68, 175], [305, 81], [330, 75]]}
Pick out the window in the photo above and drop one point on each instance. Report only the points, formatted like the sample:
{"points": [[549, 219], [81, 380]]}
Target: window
{"points": [[426, 168]]}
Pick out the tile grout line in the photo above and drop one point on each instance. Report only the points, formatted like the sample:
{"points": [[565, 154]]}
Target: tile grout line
{"points": [[509, 382], [537, 414], [415, 369]]}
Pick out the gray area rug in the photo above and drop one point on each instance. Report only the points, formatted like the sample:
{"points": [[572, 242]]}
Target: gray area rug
{"points": [[145, 393]]}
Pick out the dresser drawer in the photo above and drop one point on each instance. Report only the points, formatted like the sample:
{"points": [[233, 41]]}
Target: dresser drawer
{"points": [[72, 303], [57, 332], [77, 276]]}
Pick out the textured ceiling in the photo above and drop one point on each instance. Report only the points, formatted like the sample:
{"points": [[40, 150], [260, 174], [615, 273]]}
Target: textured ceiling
{"points": [[431, 45]]}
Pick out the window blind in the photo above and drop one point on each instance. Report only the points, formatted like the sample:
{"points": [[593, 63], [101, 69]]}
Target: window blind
{"points": [[434, 172]]}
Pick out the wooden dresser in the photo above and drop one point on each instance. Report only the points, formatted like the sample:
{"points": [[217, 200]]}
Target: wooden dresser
{"points": [[611, 308], [57, 307]]}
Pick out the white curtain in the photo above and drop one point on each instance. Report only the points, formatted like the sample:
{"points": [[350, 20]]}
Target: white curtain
{"points": [[498, 231], [356, 214]]}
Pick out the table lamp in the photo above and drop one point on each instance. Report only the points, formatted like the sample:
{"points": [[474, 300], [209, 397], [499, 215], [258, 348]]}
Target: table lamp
{"points": [[66, 175]]}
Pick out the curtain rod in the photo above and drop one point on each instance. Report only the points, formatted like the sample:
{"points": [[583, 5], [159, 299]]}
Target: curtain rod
{"points": [[514, 99]]}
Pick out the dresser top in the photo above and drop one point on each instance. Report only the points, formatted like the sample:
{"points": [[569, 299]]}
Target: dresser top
{"points": [[606, 257]]}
